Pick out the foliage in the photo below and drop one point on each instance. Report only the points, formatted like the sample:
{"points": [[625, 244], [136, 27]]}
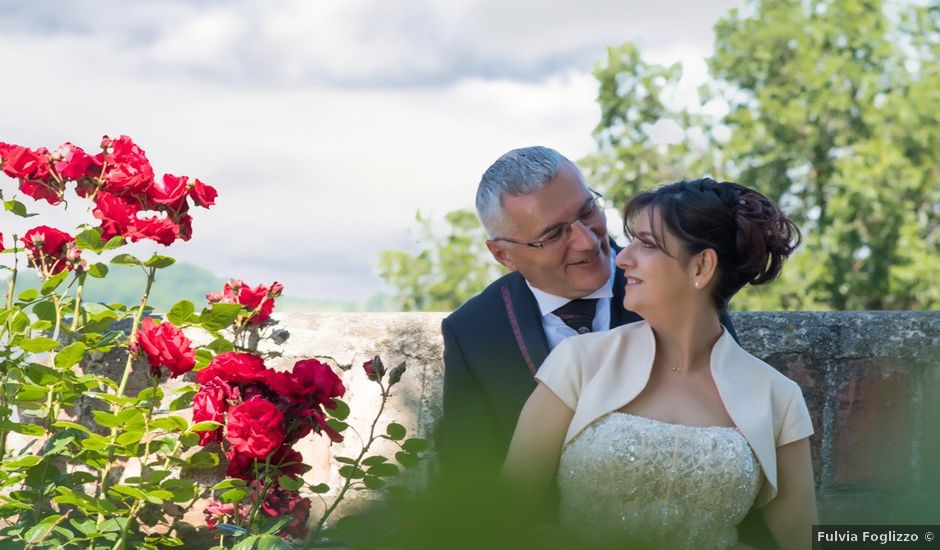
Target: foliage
{"points": [[122, 477], [831, 111], [449, 269], [827, 106]]}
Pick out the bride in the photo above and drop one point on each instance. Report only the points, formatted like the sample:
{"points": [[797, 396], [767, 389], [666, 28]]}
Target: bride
{"points": [[664, 433]]}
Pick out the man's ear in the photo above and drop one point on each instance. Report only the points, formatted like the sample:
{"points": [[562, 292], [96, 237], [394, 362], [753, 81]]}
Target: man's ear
{"points": [[704, 267], [498, 250]]}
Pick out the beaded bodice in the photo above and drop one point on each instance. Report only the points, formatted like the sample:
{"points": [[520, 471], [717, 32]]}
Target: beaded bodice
{"points": [[627, 478]]}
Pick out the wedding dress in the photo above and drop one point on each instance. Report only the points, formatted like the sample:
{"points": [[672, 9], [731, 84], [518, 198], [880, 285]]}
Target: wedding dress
{"points": [[630, 479]]}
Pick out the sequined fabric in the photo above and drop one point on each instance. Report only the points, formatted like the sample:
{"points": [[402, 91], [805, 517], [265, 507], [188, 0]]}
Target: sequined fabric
{"points": [[627, 478]]}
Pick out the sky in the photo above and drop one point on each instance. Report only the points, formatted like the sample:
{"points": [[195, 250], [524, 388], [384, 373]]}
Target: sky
{"points": [[325, 125]]}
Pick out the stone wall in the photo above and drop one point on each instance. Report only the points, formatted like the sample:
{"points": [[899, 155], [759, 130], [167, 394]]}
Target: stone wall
{"points": [[871, 380]]}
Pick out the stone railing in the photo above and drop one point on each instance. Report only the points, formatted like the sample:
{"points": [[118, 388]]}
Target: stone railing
{"points": [[871, 380]]}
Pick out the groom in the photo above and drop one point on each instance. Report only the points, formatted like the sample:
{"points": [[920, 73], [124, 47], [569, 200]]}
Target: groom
{"points": [[547, 227]]}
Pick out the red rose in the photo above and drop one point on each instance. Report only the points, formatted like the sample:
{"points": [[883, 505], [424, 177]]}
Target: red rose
{"points": [[215, 511], [260, 297], [255, 428], [240, 465], [75, 164], [116, 214], [211, 403], [1, 243], [202, 194], [129, 172], [309, 379], [49, 249], [165, 346], [281, 502], [234, 367], [24, 163], [289, 461], [170, 191], [161, 230]]}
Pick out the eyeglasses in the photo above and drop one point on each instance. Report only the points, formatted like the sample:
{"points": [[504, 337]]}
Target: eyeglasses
{"points": [[591, 211]]}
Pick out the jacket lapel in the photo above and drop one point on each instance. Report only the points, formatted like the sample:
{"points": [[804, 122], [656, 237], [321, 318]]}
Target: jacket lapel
{"points": [[526, 322]]}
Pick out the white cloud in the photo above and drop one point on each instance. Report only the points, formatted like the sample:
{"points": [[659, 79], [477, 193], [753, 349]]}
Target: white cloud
{"points": [[325, 125]]}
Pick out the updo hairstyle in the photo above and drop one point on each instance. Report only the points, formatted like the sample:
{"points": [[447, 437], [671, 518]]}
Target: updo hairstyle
{"points": [[747, 230]]}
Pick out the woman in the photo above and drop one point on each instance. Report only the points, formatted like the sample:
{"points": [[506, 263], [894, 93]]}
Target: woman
{"points": [[665, 432]]}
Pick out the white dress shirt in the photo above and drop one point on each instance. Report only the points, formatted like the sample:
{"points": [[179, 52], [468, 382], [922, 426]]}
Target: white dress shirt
{"points": [[555, 329]]}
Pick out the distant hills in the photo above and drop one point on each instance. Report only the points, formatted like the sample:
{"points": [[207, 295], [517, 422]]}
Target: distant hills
{"points": [[188, 281]]}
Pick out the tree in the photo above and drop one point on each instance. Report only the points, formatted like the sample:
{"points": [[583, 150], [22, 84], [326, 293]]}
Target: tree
{"points": [[449, 269], [831, 111]]}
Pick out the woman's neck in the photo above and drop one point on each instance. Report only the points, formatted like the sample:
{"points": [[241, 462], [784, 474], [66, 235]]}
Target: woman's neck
{"points": [[685, 344]]}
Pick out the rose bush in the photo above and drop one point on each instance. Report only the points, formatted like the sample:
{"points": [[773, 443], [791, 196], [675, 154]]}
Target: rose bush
{"points": [[111, 483]]}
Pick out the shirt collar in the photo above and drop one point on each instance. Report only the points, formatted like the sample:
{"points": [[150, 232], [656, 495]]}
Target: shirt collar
{"points": [[550, 302]]}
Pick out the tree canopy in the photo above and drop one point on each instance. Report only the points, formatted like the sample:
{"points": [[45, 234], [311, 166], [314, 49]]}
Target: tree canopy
{"points": [[830, 107]]}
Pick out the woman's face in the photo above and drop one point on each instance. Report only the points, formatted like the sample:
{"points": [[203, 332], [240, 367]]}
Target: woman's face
{"points": [[657, 282]]}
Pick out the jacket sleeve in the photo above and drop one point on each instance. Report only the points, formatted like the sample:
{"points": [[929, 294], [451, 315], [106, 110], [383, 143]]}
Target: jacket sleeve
{"points": [[561, 373], [797, 422], [465, 436]]}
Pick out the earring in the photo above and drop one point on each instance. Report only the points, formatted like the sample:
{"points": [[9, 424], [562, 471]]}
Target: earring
{"points": [[696, 284]]}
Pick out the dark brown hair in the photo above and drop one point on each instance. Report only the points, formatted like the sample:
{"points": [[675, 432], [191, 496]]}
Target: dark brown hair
{"points": [[748, 232]]}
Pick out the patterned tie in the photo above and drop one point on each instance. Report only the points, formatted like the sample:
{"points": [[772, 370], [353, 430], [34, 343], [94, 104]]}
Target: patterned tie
{"points": [[578, 314]]}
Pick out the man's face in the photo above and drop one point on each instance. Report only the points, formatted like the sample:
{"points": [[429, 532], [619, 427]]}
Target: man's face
{"points": [[575, 265]]}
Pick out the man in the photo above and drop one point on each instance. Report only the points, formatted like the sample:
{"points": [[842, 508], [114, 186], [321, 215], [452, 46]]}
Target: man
{"points": [[550, 230]]}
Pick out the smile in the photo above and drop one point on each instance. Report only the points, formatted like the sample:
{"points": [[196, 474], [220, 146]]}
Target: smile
{"points": [[633, 281], [585, 261]]}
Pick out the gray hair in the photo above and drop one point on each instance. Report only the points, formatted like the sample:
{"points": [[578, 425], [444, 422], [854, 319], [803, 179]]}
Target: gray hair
{"points": [[518, 172]]}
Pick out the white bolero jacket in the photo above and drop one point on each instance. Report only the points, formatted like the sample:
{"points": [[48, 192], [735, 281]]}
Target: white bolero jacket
{"points": [[597, 373]]}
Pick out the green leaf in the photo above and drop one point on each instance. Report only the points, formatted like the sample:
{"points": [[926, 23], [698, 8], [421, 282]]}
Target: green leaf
{"points": [[228, 483], [340, 411], [181, 312], [203, 459], [373, 482], [221, 345], [277, 525], [28, 295], [233, 495], [205, 426], [183, 401], [159, 262], [39, 345], [290, 483], [383, 470], [90, 239], [106, 419], [351, 472], [41, 529], [44, 310], [182, 489], [415, 445], [22, 462], [396, 431], [127, 490], [344, 459], [113, 242], [171, 423], [320, 488], [69, 355], [17, 208], [407, 460], [126, 259], [129, 438], [42, 325], [72, 425], [373, 460], [96, 442], [271, 542], [219, 316], [247, 544], [98, 270], [53, 282]]}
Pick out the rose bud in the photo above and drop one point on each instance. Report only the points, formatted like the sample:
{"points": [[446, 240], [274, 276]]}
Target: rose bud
{"points": [[395, 375]]}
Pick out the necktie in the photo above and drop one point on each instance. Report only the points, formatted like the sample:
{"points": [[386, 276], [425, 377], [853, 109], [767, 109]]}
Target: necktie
{"points": [[578, 314]]}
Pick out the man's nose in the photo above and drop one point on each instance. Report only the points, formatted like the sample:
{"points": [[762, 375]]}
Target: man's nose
{"points": [[582, 238]]}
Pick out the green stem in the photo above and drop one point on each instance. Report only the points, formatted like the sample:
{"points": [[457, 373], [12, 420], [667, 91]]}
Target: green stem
{"points": [[103, 484], [133, 338], [78, 302], [349, 481]]}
